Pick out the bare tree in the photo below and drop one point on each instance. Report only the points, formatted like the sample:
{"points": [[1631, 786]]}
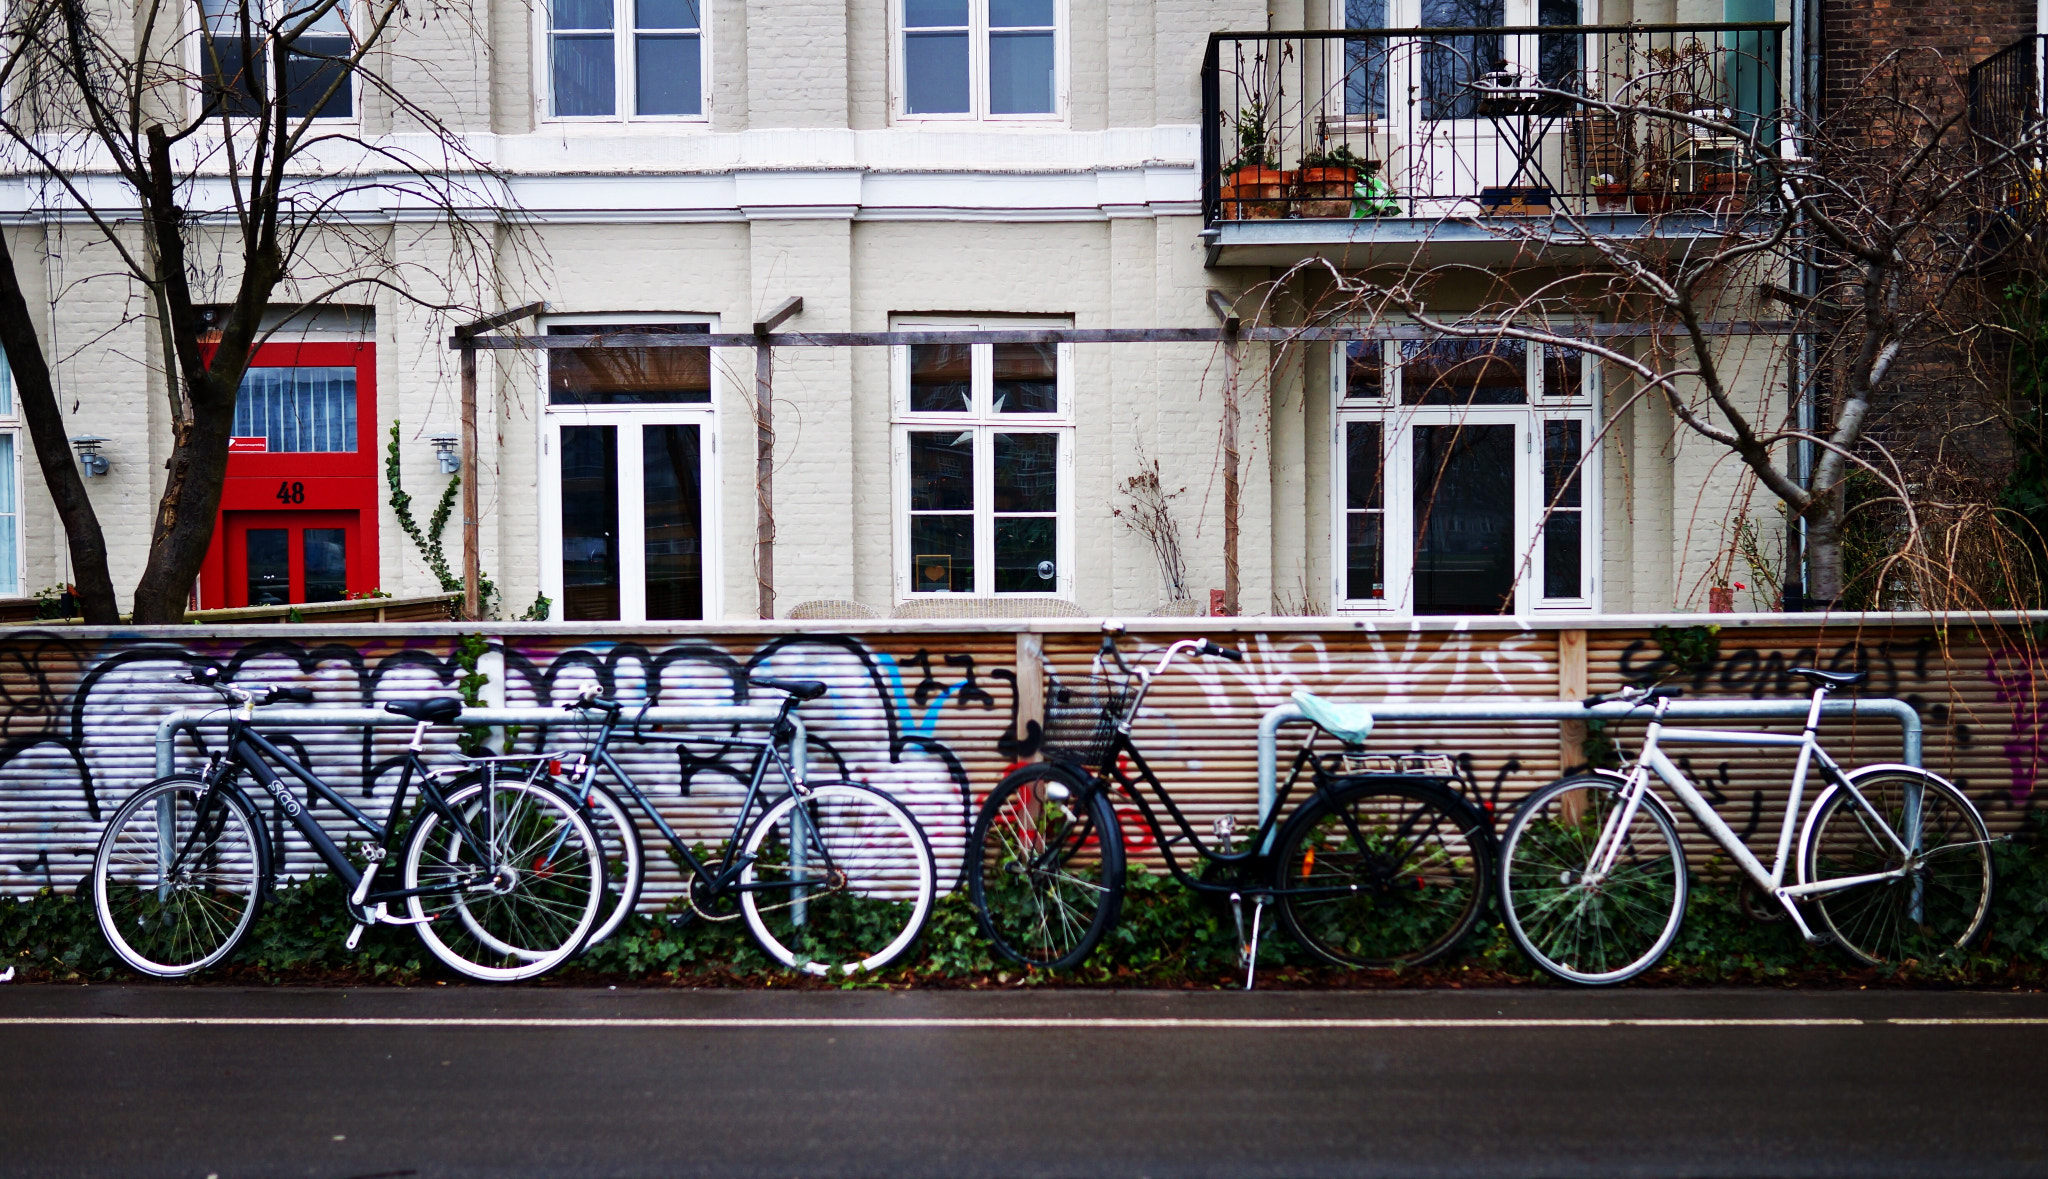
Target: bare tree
{"points": [[198, 140], [1845, 257]]}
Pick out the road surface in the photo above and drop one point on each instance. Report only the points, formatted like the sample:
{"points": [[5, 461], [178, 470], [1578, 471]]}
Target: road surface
{"points": [[474, 1081]]}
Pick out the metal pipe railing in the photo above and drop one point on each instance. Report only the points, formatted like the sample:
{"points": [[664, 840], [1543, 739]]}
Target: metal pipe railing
{"points": [[721, 714], [1567, 710]]}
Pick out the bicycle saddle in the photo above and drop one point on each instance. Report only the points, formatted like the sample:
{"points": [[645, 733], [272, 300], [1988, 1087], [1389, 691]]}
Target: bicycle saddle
{"points": [[437, 710], [1349, 723], [1831, 679], [801, 689]]}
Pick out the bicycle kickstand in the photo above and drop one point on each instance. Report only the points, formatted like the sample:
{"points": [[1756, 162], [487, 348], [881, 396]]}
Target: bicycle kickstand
{"points": [[1248, 949]]}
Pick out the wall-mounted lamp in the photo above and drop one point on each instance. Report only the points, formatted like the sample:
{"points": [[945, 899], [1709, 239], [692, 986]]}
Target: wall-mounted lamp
{"points": [[90, 460], [444, 449]]}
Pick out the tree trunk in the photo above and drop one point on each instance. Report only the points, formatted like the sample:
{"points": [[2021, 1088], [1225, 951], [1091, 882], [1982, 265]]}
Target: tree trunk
{"points": [[1824, 551], [185, 517], [91, 581]]}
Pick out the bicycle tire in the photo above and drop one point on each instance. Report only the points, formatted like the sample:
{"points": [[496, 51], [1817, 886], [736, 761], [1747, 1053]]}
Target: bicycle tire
{"points": [[200, 914], [1416, 857], [546, 880], [874, 871], [1877, 923], [1616, 927], [1046, 874], [625, 859]]}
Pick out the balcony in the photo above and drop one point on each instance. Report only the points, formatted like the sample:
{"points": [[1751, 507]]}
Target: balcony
{"points": [[1364, 146], [2010, 125]]}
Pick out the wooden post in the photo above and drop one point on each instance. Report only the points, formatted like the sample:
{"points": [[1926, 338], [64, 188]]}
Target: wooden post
{"points": [[1571, 685], [1228, 315], [472, 559], [1030, 683], [764, 454], [472, 556]]}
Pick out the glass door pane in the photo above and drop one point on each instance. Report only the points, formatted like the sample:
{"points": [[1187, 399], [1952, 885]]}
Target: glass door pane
{"points": [[673, 524], [269, 565], [942, 512], [326, 564], [1464, 519], [590, 523], [1026, 504]]}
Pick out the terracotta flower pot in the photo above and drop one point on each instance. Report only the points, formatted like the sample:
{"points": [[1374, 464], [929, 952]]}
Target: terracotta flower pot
{"points": [[1725, 192], [1720, 600], [1326, 192], [1613, 197], [1652, 202], [1255, 193]]}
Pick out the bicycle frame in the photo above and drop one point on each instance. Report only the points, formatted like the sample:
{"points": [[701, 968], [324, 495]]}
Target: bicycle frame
{"points": [[728, 878], [1607, 849], [253, 754]]}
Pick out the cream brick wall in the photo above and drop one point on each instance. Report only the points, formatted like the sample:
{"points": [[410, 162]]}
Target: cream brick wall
{"points": [[801, 182]]}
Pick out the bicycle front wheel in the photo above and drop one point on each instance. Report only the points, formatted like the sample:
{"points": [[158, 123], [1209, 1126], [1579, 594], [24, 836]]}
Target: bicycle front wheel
{"points": [[178, 877], [839, 880], [517, 899], [1045, 867], [1576, 922], [1937, 904], [1383, 875]]}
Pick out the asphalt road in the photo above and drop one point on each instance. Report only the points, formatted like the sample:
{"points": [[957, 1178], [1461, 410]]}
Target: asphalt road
{"points": [[502, 1082]]}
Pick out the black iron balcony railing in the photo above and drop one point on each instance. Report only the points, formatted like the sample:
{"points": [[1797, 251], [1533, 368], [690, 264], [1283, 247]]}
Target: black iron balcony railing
{"points": [[1467, 122]]}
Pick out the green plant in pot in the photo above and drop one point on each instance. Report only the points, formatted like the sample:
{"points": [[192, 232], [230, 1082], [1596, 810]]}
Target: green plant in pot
{"points": [[1253, 184], [1326, 179]]}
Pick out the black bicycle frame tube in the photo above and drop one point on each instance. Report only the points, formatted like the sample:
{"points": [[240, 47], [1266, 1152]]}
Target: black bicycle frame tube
{"points": [[600, 754], [248, 749]]}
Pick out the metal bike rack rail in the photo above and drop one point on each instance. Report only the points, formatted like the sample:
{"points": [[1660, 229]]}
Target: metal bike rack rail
{"points": [[1566, 710], [297, 716]]}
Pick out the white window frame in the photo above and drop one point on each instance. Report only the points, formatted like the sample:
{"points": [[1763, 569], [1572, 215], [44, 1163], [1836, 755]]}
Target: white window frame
{"points": [[624, 62], [1398, 424], [984, 422], [977, 71], [632, 557], [196, 54], [11, 428]]}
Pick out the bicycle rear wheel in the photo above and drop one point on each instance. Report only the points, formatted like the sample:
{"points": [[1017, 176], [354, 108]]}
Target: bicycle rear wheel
{"points": [[176, 886], [1383, 875], [1574, 924], [839, 880], [1045, 867], [521, 898], [1939, 906]]}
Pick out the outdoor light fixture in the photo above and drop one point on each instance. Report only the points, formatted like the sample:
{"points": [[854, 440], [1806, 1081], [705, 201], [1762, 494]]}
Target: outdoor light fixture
{"points": [[444, 449], [90, 460]]}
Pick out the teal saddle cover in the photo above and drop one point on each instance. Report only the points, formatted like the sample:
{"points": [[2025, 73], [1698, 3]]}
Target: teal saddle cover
{"points": [[1349, 723]]}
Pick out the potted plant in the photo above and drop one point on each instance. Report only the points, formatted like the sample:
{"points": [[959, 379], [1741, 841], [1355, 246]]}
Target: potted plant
{"points": [[1253, 186], [1326, 179], [1726, 193], [1372, 196], [1611, 193]]}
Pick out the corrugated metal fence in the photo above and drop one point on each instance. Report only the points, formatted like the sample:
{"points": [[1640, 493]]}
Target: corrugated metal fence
{"points": [[931, 710]]}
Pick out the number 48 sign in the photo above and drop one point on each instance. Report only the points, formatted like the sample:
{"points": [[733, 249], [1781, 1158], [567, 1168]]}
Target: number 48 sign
{"points": [[289, 492]]}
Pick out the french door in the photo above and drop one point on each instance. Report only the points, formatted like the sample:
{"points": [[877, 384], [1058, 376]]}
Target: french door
{"points": [[629, 533], [278, 557], [1457, 510]]}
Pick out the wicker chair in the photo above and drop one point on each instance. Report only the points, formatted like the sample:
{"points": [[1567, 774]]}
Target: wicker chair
{"points": [[821, 608], [969, 606], [1185, 608]]}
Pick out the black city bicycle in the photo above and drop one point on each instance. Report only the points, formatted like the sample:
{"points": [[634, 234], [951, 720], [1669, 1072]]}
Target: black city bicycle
{"points": [[832, 877], [1384, 864], [501, 880]]}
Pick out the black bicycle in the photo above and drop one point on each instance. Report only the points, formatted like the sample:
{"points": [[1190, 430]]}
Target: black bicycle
{"points": [[1385, 863], [832, 877], [500, 879]]}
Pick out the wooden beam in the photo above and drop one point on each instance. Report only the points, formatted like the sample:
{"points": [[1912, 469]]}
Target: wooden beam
{"points": [[1215, 335], [466, 338], [776, 318], [1226, 312]]}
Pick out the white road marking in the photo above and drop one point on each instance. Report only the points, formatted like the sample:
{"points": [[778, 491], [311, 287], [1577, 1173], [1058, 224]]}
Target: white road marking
{"points": [[931, 1022]]}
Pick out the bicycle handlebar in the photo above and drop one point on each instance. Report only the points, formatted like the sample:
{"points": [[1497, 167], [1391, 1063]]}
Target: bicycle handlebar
{"points": [[1637, 694]]}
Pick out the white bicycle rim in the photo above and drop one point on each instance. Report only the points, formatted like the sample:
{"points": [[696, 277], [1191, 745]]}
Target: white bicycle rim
{"points": [[926, 872]]}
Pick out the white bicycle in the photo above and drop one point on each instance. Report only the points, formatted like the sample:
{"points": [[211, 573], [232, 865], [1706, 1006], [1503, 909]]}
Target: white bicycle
{"points": [[1894, 861]]}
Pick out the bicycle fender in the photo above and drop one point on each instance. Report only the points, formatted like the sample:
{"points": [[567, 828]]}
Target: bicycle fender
{"points": [[1806, 831]]}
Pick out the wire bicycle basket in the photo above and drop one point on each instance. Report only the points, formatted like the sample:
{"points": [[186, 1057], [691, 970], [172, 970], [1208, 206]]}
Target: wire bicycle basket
{"points": [[1081, 715]]}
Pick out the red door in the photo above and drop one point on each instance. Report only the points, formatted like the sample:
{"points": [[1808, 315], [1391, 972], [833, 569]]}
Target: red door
{"points": [[279, 557], [298, 519]]}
